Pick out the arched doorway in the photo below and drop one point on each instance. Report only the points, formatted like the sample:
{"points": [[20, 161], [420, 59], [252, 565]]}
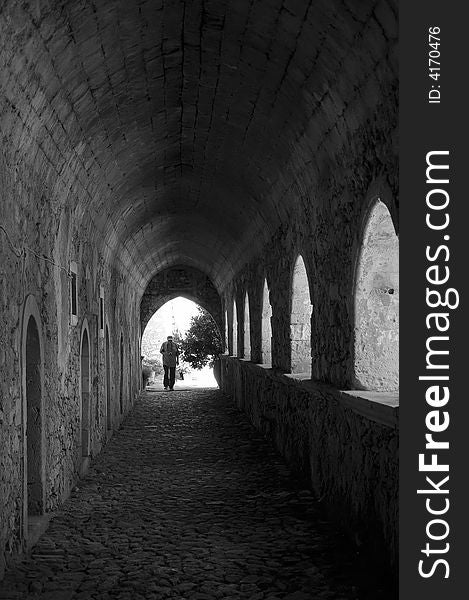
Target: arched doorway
{"points": [[300, 323], [266, 326], [85, 393], [247, 329], [34, 422], [108, 381], [377, 305]]}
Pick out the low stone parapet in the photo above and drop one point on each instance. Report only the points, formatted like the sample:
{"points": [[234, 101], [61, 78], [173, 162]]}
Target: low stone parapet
{"points": [[344, 443]]}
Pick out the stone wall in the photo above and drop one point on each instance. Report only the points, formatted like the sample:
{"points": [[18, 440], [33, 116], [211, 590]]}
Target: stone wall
{"points": [[36, 248], [350, 460], [331, 266]]}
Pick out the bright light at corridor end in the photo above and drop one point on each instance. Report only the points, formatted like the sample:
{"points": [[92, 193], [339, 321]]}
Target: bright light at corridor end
{"points": [[174, 316]]}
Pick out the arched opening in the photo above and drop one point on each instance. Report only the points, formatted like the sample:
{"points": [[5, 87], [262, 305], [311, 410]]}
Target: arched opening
{"points": [[300, 321], [234, 351], [121, 374], [247, 329], [108, 381], [226, 333], [34, 422], [377, 305], [85, 393], [199, 342], [266, 326]]}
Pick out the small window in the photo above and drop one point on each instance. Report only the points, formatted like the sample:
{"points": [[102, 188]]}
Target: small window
{"points": [[73, 293], [101, 311]]}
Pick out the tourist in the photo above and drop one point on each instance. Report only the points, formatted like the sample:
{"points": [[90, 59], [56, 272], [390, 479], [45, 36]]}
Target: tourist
{"points": [[170, 352]]}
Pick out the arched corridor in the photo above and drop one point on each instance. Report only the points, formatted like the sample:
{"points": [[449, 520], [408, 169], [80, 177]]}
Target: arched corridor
{"points": [[242, 156]]}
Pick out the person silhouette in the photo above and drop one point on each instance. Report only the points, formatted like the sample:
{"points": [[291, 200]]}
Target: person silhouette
{"points": [[170, 352]]}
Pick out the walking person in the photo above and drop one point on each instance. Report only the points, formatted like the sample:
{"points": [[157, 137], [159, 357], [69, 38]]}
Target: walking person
{"points": [[170, 352]]}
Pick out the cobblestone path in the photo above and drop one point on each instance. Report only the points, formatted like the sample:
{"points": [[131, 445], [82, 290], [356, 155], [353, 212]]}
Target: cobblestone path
{"points": [[186, 501]]}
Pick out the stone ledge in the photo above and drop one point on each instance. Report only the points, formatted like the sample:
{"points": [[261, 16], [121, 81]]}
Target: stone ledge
{"points": [[380, 407]]}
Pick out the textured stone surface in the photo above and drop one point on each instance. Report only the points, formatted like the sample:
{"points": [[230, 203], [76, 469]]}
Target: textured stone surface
{"points": [[212, 513], [350, 461], [129, 115]]}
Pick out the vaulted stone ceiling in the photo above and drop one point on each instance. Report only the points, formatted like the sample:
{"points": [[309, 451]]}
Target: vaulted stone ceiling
{"points": [[182, 127]]}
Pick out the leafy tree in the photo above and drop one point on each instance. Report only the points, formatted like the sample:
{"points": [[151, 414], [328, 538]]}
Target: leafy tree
{"points": [[201, 344], [153, 365]]}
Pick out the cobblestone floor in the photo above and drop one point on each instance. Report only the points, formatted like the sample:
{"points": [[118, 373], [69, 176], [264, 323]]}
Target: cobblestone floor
{"points": [[187, 501]]}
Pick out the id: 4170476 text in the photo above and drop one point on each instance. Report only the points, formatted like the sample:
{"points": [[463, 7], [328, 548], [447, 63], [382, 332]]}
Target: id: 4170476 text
{"points": [[434, 65]]}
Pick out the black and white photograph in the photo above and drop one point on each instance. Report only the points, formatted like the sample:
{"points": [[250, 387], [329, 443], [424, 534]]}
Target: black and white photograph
{"points": [[200, 223]]}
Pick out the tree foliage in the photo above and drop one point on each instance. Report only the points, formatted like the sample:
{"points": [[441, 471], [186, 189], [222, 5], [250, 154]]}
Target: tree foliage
{"points": [[201, 344]]}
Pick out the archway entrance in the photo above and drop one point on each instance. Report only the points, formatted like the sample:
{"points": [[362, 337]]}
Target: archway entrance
{"points": [[85, 393], [34, 422], [186, 321]]}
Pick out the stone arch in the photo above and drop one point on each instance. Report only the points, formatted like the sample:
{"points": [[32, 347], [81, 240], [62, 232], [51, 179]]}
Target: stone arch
{"points": [[266, 326], [300, 319], [85, 390], [247, 328], [376, 299], [108, 379], [185, 282], [33, 413], [234, 349]]}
